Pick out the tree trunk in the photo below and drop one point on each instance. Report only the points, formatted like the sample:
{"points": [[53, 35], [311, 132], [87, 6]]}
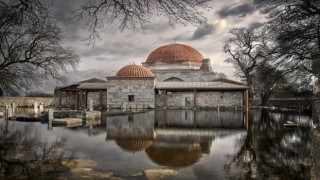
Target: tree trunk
{"points": [[264, 97], [251, 90]]}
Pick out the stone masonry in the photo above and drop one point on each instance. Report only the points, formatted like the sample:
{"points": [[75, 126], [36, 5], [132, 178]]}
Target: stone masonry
{"points": [[205, 99], [142, 90]]}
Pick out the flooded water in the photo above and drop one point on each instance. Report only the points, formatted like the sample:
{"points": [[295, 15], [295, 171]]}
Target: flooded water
{"points": [[168, 144]]}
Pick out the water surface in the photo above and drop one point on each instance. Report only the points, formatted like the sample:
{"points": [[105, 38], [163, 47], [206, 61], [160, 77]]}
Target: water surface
{"points": [[171, 144]]}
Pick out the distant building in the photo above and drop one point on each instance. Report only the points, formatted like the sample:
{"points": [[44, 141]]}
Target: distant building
{"points": [[173, 76]]}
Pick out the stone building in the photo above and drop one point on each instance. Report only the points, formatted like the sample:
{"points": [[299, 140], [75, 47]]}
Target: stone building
{"points": [[173, 76], [179, 62], [131, 88]]}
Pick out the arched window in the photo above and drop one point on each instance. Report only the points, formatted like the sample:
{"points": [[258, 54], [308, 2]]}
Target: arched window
{"points": [[173, 79]]}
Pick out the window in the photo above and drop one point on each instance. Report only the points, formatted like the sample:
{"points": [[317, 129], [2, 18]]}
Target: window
{"points": [[131, 98]]}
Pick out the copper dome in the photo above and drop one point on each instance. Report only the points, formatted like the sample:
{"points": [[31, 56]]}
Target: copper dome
{"points": [[175, 52], [133, 144], [134, 71]]}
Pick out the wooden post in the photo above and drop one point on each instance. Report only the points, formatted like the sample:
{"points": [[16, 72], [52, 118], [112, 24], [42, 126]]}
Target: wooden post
{"points": [[247, 99], [77, 99], [194, 98], [100, 97], [165, 99], [86, 98], [60, 97], [80, 99]]}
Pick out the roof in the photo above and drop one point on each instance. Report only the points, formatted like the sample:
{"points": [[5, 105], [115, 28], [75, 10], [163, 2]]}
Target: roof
{"points": [[174, 53], [227, 81], [92, 80], [92, 86], [95, 83], [199, 85], [134, 71]]}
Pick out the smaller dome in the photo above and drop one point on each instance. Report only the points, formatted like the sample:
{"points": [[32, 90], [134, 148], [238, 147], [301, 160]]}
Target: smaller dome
{"points": [[134, 71]]}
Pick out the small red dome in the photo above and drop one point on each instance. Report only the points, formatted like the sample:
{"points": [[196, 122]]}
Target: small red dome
{"points": [[175, 52], [134, 71]]}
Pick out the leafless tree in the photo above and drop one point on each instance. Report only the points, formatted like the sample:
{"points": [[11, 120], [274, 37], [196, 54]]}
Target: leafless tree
{"points": [[23, 154], [296, 25], [137, 14], [31, 47], [247, 48], [257, 59], [269, 80]]}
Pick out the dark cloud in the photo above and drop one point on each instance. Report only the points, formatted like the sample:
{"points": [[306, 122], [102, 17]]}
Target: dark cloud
{"points": [[198, 34], [117, 49], [63, 14], [241, 10], [201, 32], [94, 51]]}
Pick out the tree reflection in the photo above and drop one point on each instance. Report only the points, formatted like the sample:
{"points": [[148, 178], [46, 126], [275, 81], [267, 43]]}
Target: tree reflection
{"points": [[271, 151], [23, 154]]}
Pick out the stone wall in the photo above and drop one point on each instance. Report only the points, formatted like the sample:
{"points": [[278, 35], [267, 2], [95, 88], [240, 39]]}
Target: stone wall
{"points": [[205, 99], [186, 76], [142, 90], [219, 98], [26, 101]]}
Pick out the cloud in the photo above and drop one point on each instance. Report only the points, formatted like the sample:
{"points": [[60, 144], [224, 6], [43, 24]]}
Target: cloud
{"points": [[120, 48], [201, 32], [198, 34], [240, 10]]}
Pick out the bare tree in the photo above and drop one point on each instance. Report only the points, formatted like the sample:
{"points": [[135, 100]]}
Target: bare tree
{"points": [[296, 25], [247, 48], [30, 46], [268, 80], [258, 60], [137, 14], [23, 154]]}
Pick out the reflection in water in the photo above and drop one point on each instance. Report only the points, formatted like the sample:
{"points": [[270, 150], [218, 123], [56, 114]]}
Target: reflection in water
{"points": [[200, 119], [196, 144], [134, 132], [271, 151], [172, 147], [24, 154]]}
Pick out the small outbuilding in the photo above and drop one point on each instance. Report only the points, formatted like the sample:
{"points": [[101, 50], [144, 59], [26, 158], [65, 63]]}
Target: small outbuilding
{"points": [[131, 88], [78, 95]]}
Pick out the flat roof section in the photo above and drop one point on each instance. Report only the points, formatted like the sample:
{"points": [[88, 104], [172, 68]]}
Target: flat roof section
{"points": [[199, 85]]}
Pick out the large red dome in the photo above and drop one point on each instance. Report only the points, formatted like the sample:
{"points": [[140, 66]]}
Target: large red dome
{"points": [[134, 71], [174, 52]]}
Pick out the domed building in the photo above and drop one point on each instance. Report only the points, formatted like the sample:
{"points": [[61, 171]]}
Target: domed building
{"points": [[172, 76], [132, 87], [179, 62]]}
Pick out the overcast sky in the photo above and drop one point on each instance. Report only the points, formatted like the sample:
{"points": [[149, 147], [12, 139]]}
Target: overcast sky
{"points": [[116, 49]]}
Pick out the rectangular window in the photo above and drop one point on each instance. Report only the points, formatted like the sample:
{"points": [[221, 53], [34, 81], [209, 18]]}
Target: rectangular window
{"points": [[131, 98]]}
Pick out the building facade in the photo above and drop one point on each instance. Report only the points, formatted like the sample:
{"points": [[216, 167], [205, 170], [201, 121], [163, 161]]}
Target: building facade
{"points": [[173, 76]]}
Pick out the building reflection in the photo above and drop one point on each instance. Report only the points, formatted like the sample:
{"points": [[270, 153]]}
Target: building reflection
{"points": [[176, 138], [228, 119], [132, 133]]}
